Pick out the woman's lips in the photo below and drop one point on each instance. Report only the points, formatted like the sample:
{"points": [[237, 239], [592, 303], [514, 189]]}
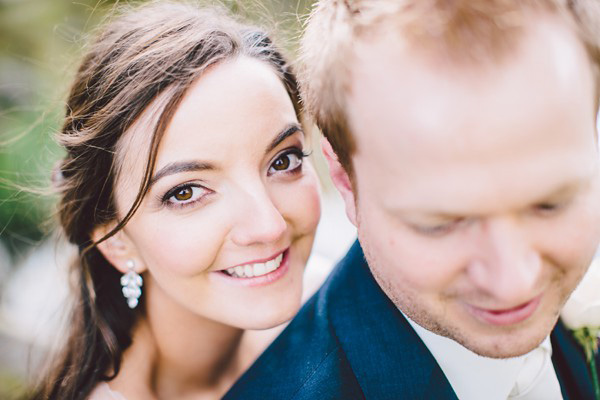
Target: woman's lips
{"points": [[508, 316], [258, 280]]}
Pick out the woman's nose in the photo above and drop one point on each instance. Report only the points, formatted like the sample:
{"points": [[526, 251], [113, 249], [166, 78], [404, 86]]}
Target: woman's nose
{"points": [[258, 220]]}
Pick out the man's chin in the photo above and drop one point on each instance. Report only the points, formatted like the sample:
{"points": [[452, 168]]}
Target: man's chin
{"points": [[492, 341], [501, 341], [506, 350], [506, 345]]}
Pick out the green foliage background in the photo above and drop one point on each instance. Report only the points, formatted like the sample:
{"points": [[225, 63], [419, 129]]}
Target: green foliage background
{"points": [[40, 44]]}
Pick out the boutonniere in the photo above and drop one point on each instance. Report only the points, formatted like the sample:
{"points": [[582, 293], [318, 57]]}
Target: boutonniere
{"points": [[581, 314]]}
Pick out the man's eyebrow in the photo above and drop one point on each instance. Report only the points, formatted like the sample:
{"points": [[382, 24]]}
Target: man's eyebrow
{"points": [[564, 191], [287, 131], [181, 166]]}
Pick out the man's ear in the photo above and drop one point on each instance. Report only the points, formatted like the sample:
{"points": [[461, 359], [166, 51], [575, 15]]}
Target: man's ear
{"points": [[340, 179], [117, 249]]}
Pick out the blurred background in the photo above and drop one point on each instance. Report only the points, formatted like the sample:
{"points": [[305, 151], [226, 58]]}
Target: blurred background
{"points": [[40, 45]]}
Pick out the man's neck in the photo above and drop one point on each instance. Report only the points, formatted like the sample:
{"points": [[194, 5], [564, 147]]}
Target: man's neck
{"points": [[470, 375]]}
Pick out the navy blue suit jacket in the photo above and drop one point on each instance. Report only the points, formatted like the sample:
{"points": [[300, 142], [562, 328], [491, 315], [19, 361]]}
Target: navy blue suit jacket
{"points": [[351, 342]]}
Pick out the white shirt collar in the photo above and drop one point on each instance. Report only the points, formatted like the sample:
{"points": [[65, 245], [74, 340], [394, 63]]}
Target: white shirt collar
{"points": [[472, 376]]}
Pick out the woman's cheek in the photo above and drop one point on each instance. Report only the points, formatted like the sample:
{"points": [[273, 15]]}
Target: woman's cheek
{"points": [[300, 204], [313, 205], [185, 245]]}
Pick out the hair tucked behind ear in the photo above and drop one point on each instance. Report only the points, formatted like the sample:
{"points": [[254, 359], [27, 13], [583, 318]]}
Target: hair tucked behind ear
{"points": [[156, 49]]}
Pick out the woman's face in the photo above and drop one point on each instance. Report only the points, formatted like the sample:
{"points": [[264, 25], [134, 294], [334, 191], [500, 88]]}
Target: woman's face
{"points": [[228, 223]]}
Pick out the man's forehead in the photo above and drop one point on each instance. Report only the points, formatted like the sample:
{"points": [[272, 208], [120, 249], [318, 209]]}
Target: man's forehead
{"points": [[416, 102], [427, 131]]}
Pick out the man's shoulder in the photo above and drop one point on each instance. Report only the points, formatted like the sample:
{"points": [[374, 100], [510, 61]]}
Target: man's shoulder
{"points": [[348, 342], [306, 360], [570, 364]]}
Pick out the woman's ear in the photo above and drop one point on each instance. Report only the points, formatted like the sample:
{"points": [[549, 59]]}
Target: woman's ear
{"points": [[340, 179], [117, 249]]}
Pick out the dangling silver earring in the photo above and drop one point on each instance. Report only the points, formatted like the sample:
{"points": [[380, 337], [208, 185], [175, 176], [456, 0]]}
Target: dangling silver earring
{"points": [[132, 285]]}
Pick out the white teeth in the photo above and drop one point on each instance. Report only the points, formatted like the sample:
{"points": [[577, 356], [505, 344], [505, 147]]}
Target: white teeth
{"points": [[258, 269], [270, 265]]}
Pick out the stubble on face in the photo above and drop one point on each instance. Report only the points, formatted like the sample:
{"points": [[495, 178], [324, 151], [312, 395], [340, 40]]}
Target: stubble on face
{"points": [[433, 316]]}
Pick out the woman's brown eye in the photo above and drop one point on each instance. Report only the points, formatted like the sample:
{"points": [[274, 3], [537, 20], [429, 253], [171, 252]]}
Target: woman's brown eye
{"points": [[282, 163], [184, 194], [287, 162]]}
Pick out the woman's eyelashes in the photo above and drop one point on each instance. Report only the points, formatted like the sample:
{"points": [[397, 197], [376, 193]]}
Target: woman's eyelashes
{"points": [[185, 195], [288, 161]]}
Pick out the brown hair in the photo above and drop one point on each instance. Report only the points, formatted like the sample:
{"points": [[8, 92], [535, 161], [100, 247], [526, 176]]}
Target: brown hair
{"points": [[462, 30], [154, 50]]}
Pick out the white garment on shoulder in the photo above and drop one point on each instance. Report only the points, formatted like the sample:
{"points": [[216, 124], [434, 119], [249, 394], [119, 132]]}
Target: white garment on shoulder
{"points": [[474, 377], [103, 392], [537, 378]]}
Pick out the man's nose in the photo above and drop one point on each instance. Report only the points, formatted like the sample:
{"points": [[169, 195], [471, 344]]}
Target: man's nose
{"points": [[508, 266], [258, 220]]}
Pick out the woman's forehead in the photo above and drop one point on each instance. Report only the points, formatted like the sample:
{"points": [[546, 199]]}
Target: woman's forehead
{"points": [[237, 108], [133, 147]]}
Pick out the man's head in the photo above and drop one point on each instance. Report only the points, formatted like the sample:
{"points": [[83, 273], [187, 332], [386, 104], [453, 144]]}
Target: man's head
{"points": [[465, 134]]}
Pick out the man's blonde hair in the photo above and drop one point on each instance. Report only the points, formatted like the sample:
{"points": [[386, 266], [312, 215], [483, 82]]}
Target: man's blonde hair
{"points": [[459, 30]]}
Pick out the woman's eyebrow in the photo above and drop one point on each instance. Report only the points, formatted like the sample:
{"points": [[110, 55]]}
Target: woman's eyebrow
{"points": [[190, 166], [180, 166], [287, 131]]}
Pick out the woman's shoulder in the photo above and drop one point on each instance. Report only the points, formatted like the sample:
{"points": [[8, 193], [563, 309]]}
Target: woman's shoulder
{"points": [[103, 392]]}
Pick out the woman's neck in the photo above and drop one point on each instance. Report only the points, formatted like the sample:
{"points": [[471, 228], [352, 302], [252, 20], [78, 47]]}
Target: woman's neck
{"points": [[178, 354]]}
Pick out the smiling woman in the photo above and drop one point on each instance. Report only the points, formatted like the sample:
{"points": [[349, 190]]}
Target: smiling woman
{"points": [[186, 188]]}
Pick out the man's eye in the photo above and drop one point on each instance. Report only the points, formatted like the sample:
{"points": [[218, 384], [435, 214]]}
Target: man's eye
{"points": [[441, 229], [435, 230], [290, 161], [548, 208]]}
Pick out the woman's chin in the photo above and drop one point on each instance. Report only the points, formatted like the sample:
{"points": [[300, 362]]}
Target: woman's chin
{"points": [[267, 319]]}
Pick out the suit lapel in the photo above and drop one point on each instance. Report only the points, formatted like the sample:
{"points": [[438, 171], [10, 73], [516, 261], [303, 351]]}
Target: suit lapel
{"points": [[570, 365], [385, 353]]}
